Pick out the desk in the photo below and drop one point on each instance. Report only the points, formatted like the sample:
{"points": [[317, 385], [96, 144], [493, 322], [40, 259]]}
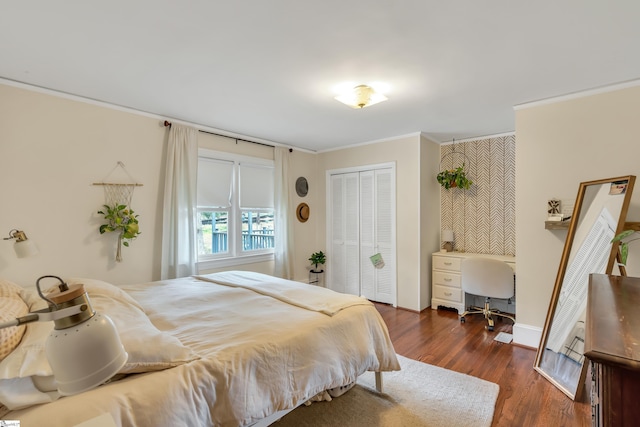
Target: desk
{"points": [[446, 286]]}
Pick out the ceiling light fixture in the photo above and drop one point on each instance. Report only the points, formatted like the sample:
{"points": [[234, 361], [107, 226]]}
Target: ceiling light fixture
{"points": [[361, 96]]}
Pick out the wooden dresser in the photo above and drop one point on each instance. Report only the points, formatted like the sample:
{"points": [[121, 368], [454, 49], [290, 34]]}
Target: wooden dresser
{"points": [[446, 288], [612, 344]]}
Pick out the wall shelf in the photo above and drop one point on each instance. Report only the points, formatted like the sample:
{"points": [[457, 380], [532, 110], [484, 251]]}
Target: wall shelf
{"points": [[557, 225], [564, 225]]}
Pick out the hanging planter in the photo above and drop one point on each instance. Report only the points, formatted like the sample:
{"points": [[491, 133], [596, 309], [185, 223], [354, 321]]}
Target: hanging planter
{"points": [[457, 177], [123, 220], [454, 176]]}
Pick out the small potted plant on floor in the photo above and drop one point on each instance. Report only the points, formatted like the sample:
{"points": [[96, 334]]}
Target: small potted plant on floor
{"points": [[450, 178], [317, 258]]}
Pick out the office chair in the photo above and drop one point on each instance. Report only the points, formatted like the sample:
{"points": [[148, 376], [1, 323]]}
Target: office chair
{"points": [[489, 278]]}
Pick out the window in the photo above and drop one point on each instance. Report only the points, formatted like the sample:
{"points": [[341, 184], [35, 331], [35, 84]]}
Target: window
{"points": [[235, 209]]}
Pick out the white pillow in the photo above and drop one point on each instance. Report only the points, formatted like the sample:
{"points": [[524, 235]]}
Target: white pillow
{"points": [[18, 393], [149, 349]]}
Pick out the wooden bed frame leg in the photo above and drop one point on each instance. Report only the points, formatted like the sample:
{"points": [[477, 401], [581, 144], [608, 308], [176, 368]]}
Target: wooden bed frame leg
{"points": [[379, 382]]}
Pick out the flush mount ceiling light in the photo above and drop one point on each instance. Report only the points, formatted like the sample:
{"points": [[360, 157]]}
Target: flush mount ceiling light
{"points": [[361, 96]]}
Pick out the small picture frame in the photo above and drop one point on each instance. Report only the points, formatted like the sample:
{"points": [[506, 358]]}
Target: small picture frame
{"points": [[618, 187], [553, 207]]}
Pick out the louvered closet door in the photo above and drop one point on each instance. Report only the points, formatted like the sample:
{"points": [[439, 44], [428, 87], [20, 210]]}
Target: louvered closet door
{"points": [[344, 266], [367, 235], [361, 224], [377, 235], [385, 238]]}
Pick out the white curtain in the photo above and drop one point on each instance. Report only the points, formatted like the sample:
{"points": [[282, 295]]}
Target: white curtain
{"points": [[179, 245], [283, 219]]}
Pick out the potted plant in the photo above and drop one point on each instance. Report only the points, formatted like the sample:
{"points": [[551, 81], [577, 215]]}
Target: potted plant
{"points": [[317, 258], [122, 219], [624, 246], [457, 177]]}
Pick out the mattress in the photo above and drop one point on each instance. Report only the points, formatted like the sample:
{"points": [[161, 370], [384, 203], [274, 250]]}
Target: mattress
{"points": [[261, 345]]}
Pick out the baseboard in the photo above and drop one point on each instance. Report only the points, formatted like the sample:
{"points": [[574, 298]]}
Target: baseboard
{"points": [[526, 335]]}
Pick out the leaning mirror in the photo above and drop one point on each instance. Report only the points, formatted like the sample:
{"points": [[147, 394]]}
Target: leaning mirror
{"points": [[598, 215]]}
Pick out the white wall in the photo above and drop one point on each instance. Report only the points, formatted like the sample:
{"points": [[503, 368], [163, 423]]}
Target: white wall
{"points": [[429, 214], [307, 239], [559, 145], [413, 156], [53, 148]]}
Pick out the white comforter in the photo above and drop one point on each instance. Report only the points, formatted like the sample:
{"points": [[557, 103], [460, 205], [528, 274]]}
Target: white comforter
{"points": [[259, 354]]}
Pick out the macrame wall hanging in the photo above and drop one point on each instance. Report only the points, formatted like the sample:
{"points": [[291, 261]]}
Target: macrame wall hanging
{"points": [[118, 215]]}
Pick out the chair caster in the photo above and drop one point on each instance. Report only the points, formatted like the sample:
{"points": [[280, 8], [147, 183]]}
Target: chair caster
{"points": [[490, 328], [462, 320]]}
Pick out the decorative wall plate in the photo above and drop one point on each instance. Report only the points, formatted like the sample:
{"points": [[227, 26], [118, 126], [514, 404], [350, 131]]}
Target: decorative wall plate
{"points": [[302, 212], [302, 186]]}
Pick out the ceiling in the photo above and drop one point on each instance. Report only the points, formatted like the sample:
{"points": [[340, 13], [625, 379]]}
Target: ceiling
{"points": [[267, 69]]}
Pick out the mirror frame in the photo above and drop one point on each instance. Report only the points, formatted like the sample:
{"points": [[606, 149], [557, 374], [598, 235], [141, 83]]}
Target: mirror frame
{"points": [[564, 260]]}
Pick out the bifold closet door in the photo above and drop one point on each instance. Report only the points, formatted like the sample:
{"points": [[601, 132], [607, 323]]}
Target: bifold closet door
{"points": [[344, 274], [362, 224], [377, 235]]}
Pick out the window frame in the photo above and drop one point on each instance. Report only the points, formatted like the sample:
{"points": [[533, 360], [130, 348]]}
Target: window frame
{"points": [[235, 254]]}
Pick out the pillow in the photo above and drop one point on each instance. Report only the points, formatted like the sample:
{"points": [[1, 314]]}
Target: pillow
{"points": [[18, 393], [11, 306], [149, 349]]}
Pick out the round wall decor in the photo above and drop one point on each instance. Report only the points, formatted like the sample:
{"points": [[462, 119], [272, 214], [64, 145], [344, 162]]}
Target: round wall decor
{"points": [[302, 186], [302, 212]]}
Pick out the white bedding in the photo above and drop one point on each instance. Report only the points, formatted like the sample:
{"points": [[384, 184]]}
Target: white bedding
{"points": [[258, 354]]}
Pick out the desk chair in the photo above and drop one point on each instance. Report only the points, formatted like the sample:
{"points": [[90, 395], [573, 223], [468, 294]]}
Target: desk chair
{"points": [[489, 278]]}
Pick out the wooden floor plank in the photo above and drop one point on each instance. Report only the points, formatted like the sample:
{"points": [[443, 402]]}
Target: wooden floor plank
{"points": [[526, 398]]}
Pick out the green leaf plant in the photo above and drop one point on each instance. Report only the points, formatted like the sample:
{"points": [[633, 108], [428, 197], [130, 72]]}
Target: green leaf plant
{"points": [[123, 220], [318, 258], [624, 245], [457, 177]]}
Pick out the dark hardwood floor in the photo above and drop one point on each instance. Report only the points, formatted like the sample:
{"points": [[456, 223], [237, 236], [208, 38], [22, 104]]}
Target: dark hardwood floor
{"points": [[526, 398]]}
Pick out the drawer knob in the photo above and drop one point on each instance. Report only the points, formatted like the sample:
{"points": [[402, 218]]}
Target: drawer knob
{"points": [[448, 294], [447, 279], [447, 263]]}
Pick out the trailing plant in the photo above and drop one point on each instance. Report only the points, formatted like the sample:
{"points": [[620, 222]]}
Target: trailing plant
{"points": [[624, 245], [318, 258], [454, 178], [123, 220]]}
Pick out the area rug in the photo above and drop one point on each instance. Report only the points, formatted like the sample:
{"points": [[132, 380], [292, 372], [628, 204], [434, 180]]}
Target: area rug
{"points": [[419, 395]]}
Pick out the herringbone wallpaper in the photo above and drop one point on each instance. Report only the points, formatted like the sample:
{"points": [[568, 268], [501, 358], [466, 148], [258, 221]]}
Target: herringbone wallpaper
{"points": [[482, 217]]}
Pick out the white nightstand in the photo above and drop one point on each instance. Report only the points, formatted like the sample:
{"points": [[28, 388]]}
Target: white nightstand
{"points": [[446, 285]]}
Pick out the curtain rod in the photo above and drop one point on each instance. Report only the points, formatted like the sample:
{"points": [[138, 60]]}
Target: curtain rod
{"points": [[168, 124]]}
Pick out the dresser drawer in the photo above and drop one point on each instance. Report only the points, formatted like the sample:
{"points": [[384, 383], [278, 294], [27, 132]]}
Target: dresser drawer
{"points": [[443, 278], [446, 280], [446, 263], [447, 293]]}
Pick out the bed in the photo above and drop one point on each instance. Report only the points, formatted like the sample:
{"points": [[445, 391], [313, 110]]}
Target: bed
{"points": [[224, 349]]}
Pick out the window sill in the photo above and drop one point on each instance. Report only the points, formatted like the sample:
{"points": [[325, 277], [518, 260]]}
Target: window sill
{"points": [[230, 262]]}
